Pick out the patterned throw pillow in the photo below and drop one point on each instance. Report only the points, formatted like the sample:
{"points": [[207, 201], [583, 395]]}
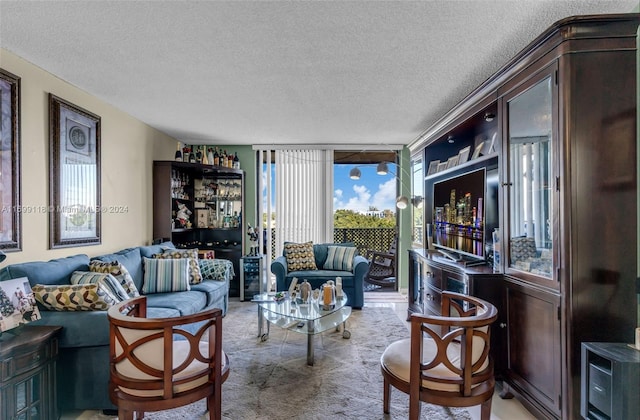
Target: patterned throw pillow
{"points": [[117, 270], [76, 297], [340, 258], [165, 275], [219, 269], [300, 256], [195, 276], [104, 279]]}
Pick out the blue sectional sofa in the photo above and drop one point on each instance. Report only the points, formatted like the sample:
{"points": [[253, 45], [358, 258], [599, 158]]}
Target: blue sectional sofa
{"points": [[83, 363], [352, 281]]}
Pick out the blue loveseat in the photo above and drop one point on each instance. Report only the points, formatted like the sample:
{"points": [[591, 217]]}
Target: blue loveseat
{"points": [[352, 281], [83, 362]]}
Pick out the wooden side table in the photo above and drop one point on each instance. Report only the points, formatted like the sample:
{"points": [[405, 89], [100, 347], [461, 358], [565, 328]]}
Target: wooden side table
{"points": [[28, 373]]}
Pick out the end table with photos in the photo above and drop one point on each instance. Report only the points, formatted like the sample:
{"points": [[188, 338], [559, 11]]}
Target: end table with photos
{"points": [[304, 318]]}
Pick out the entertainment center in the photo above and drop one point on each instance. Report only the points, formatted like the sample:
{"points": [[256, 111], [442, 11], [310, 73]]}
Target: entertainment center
{"points": [[540, 159]]}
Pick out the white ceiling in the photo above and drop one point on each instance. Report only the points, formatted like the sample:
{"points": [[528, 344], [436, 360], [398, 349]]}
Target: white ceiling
{"points": [[281, 72]]}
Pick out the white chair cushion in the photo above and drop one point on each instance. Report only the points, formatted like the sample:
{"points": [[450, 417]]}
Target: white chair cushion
{"points": [[154, 358], [396, 359]]}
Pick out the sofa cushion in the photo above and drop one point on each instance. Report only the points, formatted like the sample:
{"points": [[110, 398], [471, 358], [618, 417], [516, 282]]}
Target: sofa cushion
{"points": [[299, 256], [165, 275], [340, 258], [130, 258], [195, 276], [74, 297], [150, 250], [117, 270], [56, 271], [215, 290], [186, 303], [321, 251], [105, 280]]}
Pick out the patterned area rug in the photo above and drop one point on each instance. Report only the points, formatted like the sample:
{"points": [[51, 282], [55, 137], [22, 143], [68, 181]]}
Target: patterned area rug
{"points": [[271, 380]]}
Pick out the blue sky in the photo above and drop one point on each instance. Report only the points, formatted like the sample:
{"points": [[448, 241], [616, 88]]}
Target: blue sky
{"points": [[371, 189]]}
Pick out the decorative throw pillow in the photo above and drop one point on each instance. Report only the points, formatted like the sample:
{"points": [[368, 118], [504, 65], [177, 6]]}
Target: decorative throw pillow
{"points": [[104, 279], [165, 275], [117, 270], [219, 269], [340, 258], [195, 276], [76, 297], [299, 256]]}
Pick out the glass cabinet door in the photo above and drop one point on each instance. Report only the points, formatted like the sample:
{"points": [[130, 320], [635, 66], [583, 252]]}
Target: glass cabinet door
{"points": [[531, 179], [417, 188]]}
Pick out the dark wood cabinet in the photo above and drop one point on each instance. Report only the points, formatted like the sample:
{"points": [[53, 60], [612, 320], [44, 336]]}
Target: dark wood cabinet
{"points": [[430, 273], [561, 116], [28, 373], [213, 197]]}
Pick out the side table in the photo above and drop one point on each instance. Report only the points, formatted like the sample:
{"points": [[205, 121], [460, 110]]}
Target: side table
{"points": [[28, 373]]}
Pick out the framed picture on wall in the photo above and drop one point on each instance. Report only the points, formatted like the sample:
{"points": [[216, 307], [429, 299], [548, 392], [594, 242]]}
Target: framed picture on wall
{"points": [[74, 175], [10, 205]]}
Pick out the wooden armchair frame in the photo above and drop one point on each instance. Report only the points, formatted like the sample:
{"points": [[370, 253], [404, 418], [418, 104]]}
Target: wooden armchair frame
{"points": [[429, 374], [157, 364]]}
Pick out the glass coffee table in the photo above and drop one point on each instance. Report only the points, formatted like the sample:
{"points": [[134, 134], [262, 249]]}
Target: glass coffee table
{"points": [[303, 318]]}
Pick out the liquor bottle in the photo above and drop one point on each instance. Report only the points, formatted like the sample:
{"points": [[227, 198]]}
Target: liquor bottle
{"points": [[236, 161], [185, 153], [223, 158], [210, 156], [230, 161], [205, 158], [216, 158], [192, 156], [178, 156], [199, 155]]}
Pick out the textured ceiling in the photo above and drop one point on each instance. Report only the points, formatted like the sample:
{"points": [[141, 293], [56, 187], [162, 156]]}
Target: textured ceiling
{"points": [[281, 72]]}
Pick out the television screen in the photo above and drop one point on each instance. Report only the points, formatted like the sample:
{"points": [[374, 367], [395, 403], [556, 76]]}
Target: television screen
{"points": [[459, 214]]}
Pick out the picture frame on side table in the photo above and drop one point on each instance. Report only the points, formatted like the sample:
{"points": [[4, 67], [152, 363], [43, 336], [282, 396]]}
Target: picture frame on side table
{"points": [[17, 304], [74, 175], [10, 185]]}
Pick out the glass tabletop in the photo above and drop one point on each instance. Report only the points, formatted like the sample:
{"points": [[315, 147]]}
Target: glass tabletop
{"points": [[306, 318]]}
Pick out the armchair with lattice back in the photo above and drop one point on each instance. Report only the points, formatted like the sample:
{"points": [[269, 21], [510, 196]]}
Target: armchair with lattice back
{"points": [[382, 266]]}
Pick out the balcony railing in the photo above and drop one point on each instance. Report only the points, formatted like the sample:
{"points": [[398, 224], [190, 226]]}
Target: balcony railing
{"points": [[378, 239]]}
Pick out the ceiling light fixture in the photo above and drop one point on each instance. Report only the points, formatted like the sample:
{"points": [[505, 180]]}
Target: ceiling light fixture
{"points": [[355, 173], [450, 139], [489, 116], [382, 168]]}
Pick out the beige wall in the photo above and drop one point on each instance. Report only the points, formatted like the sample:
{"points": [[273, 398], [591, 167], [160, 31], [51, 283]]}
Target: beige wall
{"points": [[128, 150]]}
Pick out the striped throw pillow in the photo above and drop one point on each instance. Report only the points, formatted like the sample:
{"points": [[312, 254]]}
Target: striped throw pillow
{"points": [[165, 275], [340, 258], [105, 280]]}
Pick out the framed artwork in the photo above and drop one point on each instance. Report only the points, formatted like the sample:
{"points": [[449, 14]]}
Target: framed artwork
{"points": [[478, 149], [463, 155], [442, 166], [10, 205], [452, 161], [433, 167], [74, 175], [202, 218]]}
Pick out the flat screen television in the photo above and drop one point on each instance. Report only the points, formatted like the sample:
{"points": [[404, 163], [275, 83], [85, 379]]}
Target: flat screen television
{"points": [[465, 212]]}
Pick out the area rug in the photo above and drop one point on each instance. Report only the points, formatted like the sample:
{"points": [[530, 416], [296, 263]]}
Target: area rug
{"points": [[271, 380]]}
